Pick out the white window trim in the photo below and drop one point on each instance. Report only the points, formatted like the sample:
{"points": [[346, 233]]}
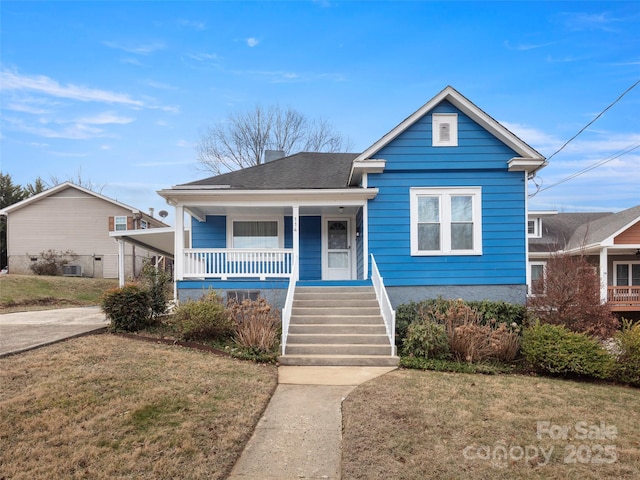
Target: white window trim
{"points": [[115, 223], [242, 218], [537, 230], [544, 276], [615, 271], [452, 120], [445, 219]]}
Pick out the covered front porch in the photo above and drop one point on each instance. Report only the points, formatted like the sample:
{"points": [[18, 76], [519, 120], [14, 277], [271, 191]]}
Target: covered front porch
{"points": [[619, 267], [306, 235]]}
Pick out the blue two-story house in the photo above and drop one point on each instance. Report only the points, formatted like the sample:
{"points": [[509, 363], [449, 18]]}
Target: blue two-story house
{"points": [[436, 207]]}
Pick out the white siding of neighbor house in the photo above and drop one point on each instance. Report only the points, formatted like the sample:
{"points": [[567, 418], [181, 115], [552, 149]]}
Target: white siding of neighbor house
{"points": [[67, 220]]}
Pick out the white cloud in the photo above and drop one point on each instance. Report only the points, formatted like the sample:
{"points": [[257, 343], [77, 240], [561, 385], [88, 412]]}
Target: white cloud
{"points": [[105, 118], [24, 108], [527, 46], [42, 84], [196, 25], [538, 139], [140, 49], [252, 41]]}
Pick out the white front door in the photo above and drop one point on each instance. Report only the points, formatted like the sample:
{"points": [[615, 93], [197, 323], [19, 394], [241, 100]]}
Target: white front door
{"points": [[337, 249]]}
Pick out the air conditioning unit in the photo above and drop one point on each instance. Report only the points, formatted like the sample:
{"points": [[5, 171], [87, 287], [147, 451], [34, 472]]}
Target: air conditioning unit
{"points": [[72, 271]]}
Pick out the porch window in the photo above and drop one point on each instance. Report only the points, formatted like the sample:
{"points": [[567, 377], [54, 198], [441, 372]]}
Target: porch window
{"points": [[537, 274], [627, 274], [446, 221], [255, 234]]}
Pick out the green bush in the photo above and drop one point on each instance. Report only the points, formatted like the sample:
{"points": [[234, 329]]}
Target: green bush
{"points": [[556, 350], [628, 359], [52, 262], [158, 284], [426, 339], [128, 308], [204, 319]]}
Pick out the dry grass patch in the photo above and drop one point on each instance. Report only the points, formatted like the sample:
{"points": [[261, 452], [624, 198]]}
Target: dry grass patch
{"points": [[107, 407], [36, 292], [410, 424]]}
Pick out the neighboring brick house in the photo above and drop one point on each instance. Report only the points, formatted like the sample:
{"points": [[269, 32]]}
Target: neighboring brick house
{"points": [[68, 217]]}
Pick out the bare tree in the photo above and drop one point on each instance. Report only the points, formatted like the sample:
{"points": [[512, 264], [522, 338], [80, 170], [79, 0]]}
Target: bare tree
{"points": [[242, 139], [79, 180]]}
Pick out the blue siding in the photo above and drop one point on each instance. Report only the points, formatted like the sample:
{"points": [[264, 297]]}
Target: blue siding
{"points": [[480, 160], [310, 248], [209, 234], [288, 232]]}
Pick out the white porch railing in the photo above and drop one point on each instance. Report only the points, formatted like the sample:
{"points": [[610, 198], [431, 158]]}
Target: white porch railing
{"points": [[227, 263], [288, 305], [388, 313]]}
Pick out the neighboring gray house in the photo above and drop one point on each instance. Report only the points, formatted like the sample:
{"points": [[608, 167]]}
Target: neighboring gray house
{"points": [[68, 217]]}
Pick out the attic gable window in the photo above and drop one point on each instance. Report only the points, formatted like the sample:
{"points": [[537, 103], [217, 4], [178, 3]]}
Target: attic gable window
{"points": [[444, 129], [534, 229]]}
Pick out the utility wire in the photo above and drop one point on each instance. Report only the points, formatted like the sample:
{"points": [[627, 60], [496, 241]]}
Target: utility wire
{"points": [[628, 149], [592, 121]]}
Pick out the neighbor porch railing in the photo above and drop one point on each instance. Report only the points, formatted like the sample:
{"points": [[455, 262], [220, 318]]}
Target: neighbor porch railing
{"points": [[288, 304], [388, 313], [227, 263], [624, 297]]}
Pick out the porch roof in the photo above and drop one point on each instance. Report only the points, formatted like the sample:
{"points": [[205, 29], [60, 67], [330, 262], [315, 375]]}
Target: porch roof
{"points": [[158, 240], [307, 170]]}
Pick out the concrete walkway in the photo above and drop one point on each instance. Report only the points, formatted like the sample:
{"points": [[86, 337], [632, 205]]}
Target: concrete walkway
{"points": [[300, 433], [27, 330]]}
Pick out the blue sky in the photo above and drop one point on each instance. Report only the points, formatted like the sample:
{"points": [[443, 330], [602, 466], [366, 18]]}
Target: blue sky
{"points": [[120, 92]]}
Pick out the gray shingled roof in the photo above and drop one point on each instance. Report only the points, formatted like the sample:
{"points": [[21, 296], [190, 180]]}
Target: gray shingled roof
{"points": [[557, 230], [602, 228], [300, 171]]}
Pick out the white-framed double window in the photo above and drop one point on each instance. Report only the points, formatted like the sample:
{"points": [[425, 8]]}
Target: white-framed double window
{"points": [[257, 234], [446, 221], [120, 223], [626, 274]]}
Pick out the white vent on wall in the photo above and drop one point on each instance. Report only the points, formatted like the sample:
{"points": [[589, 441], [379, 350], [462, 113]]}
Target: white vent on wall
{"points": [[445, 129], [72, 271]]}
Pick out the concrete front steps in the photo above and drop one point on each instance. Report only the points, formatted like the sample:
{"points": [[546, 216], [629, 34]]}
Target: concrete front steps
{"points": [[337, 326]]}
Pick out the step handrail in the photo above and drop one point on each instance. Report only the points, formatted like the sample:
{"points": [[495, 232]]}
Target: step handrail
{"points": [[288, 304], [387, 311]]}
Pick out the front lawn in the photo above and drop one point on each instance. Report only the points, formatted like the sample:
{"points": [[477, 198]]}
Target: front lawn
{"points": [[108, 407], [412, 424]]}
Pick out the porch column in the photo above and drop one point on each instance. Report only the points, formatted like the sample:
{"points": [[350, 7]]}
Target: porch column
{"points": [[365, 241], [603, 275], [296, 238], [179, 244], [121, 254]]}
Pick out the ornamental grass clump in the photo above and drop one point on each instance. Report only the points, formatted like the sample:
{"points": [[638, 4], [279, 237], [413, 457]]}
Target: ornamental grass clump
{"points": [[452, 328], [255, 324]]}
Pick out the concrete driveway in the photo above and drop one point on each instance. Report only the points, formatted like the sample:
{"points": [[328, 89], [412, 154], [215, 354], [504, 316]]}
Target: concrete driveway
{"points": [[26, 330]]}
